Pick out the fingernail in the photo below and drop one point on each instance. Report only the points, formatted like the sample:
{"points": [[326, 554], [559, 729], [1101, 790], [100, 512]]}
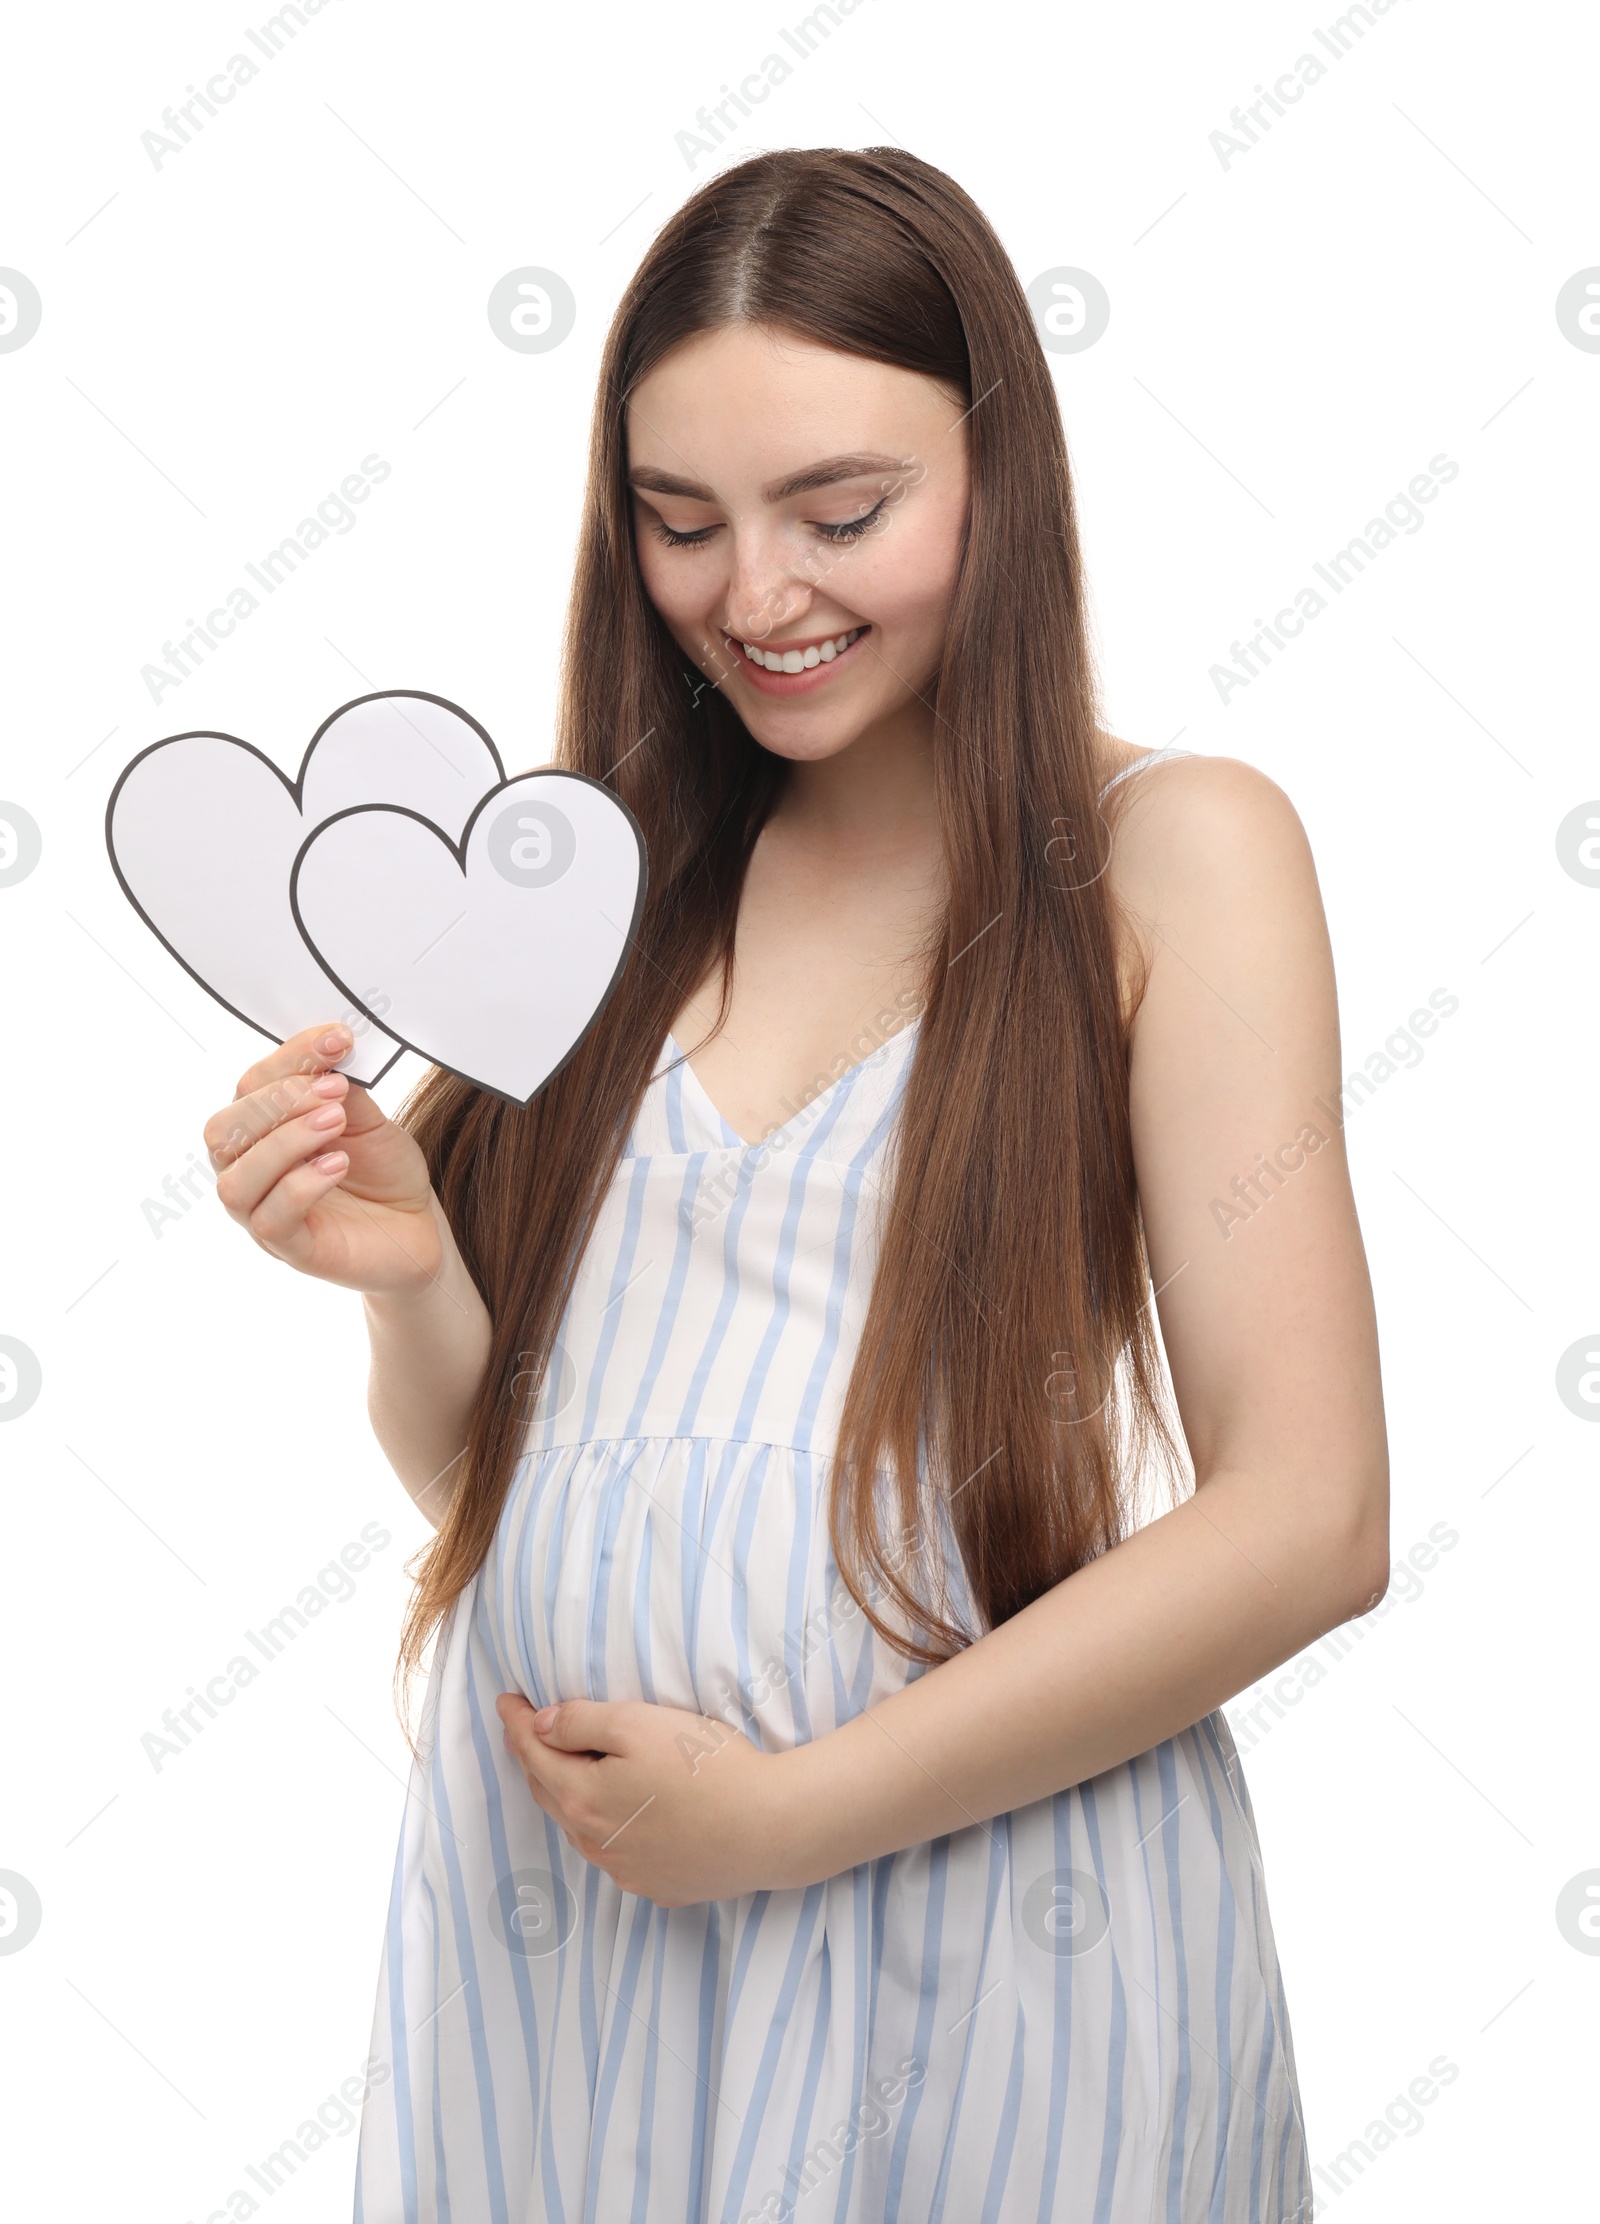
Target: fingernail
{"points": [[543, 1718], [337, 1039]]}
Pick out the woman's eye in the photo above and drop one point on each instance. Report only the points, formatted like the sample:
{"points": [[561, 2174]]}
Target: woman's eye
{"points": [[850, 530], [664, 532], [854, 527]]}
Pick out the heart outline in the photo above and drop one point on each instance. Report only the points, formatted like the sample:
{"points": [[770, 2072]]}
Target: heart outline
{"points": [[296, 789], [458, 851]]}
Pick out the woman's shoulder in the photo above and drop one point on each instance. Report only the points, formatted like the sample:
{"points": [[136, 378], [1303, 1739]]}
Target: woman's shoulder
{"points": [[1170, 803], [1206, 852]]}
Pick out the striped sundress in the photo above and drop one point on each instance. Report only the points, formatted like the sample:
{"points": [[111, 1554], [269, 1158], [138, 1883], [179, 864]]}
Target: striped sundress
{"points": [[1072, 2011]]}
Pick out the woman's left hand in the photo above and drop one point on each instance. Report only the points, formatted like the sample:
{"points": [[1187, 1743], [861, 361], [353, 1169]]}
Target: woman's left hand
{"points": [[676, 1807]]}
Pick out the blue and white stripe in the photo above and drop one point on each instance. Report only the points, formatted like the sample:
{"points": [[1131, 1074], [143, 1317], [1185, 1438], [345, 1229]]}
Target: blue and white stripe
{"points": [[1071, 2012]]}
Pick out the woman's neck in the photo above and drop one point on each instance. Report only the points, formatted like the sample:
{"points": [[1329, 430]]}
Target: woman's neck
{"points": [[875, 798]]}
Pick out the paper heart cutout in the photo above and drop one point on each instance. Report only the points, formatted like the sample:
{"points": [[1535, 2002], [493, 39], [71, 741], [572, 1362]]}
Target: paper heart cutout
{"points": [[203, 831], [493, 955]]}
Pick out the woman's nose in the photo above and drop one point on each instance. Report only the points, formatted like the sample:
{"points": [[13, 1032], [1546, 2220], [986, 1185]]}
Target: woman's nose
{"points": [[762, 596]]}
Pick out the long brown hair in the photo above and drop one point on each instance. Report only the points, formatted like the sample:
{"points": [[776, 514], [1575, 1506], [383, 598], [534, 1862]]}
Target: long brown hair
{"points": [[1007, 1359]]}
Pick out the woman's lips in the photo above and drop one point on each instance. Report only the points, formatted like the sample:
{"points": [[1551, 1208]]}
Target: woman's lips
{"points": [[793, 683]]}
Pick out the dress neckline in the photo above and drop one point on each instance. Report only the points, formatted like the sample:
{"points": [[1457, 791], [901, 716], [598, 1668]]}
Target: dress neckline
{"points": [[807, 1112]]}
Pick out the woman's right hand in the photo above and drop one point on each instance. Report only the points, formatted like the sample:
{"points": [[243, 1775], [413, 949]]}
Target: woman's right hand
{"points": [[321, 1178]]}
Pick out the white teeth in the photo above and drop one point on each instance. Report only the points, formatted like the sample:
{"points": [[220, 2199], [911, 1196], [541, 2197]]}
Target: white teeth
{"points": [[798, 660]]}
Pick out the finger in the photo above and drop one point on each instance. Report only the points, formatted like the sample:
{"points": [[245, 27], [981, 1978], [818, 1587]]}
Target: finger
{"points": [[313, 1050], [516, 1715], [559, 1773], [245, 1185], [275, 1089], [581, 1726], [551, 1776], [278, 1223], [543, 1795]]}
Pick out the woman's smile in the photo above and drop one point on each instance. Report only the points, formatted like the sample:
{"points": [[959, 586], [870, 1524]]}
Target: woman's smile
{"points": [[794, 667]]}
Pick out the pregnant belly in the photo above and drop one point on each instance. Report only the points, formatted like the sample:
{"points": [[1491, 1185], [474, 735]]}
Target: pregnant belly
{"points": [[685, 1571]]}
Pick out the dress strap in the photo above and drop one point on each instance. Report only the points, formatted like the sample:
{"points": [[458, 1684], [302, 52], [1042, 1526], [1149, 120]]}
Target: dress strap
{"points": [[1139, 764]]}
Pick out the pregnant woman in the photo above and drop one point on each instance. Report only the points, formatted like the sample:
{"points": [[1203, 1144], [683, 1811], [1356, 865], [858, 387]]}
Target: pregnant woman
{"points": [[823, 1808]]}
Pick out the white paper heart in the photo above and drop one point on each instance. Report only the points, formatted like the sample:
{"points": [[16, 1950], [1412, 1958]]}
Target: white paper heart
{"points": [[492, 956], [203, 830]]}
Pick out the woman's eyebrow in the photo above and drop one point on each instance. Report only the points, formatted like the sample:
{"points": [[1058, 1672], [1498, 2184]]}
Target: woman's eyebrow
{"points": [[828, 473]]}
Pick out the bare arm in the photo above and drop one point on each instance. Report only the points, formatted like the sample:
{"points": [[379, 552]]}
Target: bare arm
{"points": [[429, 1351], [1267, 1315]]}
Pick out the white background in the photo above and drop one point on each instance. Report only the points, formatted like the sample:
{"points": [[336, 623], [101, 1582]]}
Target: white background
{"points": [[1292, 338]]}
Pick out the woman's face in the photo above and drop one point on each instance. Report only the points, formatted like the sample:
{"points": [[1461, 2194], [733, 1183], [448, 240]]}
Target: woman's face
{"points": [[789, 499]]}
